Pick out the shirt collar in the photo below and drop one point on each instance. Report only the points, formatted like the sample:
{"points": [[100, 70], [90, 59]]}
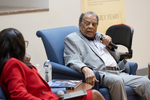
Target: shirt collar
{"points": [[89, 38]]}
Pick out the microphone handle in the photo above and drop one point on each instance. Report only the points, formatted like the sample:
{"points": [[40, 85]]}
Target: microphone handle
{"points": [[113, 45]]}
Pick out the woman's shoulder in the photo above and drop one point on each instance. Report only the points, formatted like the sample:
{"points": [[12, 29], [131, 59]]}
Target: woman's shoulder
{"points": [[12, 62], [12, 67]]}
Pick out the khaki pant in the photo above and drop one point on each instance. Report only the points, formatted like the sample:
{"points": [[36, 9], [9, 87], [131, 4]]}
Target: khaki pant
{"points": [[116, 84]]}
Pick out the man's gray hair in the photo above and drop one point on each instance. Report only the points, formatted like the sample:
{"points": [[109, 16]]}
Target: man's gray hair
{"points": [[89, 12]]}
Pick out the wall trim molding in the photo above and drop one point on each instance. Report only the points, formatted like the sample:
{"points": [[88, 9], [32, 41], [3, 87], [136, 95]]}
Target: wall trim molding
{"points": [[19, 10]]}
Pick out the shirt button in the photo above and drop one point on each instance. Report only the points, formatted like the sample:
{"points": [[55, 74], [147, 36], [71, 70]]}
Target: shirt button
{"points": [[43, 92]]}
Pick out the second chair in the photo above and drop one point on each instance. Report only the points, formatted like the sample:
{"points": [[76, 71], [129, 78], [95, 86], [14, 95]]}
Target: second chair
{"points": [[122, 34]]}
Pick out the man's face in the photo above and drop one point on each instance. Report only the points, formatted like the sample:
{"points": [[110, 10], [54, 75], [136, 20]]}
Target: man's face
{"points": [[88, 26]]}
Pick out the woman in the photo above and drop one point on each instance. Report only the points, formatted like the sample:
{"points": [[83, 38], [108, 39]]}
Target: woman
{"points": [[18, 78]]}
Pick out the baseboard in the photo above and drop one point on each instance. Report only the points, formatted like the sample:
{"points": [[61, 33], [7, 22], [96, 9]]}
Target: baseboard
{"points": [[142, 71]]}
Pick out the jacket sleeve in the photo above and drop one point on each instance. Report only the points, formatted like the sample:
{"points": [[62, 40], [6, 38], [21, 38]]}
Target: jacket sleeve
{"points": [[14, 77], [72, 55]]}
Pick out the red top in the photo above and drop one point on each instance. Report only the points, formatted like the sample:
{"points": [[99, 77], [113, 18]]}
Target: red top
{"points": [[19, 82]]}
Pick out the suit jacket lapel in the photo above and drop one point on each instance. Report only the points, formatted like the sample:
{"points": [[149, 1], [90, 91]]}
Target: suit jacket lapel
{"points": [[88, 43]]}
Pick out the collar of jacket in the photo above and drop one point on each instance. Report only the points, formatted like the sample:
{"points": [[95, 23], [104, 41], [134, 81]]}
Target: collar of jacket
{"points": [[89, 38]]}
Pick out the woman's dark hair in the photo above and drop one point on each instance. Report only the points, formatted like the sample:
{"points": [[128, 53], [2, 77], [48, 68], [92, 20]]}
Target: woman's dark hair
{"points": [[12, 44], [89, 12]]}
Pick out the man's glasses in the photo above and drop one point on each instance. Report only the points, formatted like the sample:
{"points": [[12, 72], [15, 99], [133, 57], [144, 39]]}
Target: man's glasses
{"points": [[26, 43]]}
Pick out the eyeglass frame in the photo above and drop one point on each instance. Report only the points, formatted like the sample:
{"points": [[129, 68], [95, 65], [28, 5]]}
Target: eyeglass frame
{"points": [[26, 44]]}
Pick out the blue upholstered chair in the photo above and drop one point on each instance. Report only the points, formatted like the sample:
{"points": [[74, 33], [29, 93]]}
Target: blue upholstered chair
{"points": [[53, 40]]}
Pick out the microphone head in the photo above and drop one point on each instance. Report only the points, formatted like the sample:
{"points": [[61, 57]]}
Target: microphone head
{"points": [[60, 94], [99, 36]]}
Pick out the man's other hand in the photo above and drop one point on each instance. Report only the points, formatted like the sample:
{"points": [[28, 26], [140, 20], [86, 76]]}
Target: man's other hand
{"points": [[89, 76], [106, 40]]}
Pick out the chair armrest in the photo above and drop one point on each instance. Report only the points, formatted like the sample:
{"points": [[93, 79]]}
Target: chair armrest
{"points": [[133, 67], [64, 72], [61, 69], [55, 90]]}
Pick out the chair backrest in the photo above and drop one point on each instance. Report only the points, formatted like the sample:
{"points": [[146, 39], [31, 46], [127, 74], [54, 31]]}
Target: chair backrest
{"points": [[53, 40], [121, 34]]}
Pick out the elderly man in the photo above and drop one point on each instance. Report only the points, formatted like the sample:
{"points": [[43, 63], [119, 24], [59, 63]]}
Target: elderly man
{"points": [[84, 52]]}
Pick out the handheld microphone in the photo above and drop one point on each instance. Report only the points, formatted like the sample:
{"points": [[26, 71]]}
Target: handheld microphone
{"points": [[100, 37]]}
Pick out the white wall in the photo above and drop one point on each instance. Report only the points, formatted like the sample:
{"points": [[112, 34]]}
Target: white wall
{"points": [[25, 3], [66, 13], [138, 16], [62, 13]]}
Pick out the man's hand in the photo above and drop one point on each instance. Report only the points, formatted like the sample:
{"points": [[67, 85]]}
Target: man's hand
{"points": [[89, 76], [106, 40]]}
